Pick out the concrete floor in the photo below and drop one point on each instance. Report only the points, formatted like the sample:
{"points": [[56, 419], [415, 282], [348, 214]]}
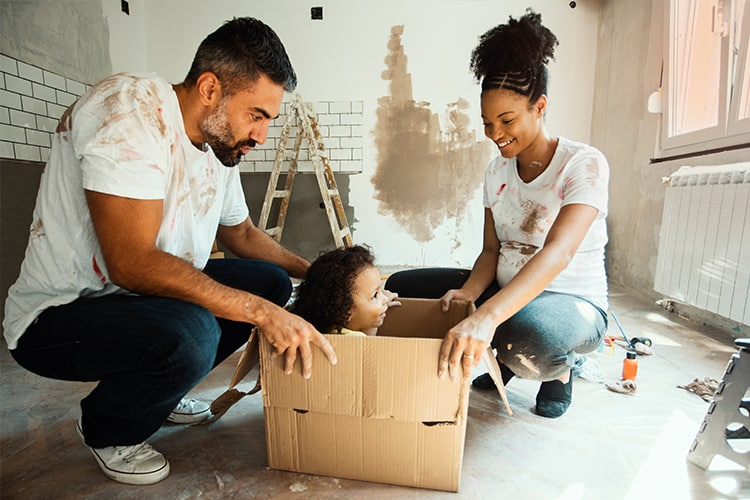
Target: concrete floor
{"points": [[607, 446]]}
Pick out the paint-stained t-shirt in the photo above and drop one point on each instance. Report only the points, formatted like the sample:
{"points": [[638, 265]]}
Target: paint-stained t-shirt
{"points": [[124, 137], [524, 213]]}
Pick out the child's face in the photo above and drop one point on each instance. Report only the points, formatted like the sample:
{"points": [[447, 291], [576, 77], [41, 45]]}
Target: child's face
{"points": [[370, 304]]}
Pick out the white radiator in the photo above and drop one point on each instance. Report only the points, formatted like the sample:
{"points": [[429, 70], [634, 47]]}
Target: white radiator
{"points": [[704, 244]]}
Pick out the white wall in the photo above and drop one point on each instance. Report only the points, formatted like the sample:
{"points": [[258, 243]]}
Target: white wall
{"points": [[631, 45], [127, 36], [342, 57]]}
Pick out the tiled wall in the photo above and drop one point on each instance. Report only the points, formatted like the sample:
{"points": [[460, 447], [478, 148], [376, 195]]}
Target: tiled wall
{"points": [[32, 100], [340, 128]]}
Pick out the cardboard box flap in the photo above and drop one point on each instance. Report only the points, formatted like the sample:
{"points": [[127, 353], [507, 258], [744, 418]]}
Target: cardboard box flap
{"points": [[249, 359], [390, 376], [423, 318]]}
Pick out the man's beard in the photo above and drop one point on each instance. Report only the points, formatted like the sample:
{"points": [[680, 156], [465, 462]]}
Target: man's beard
{"points": [[219, 136]]}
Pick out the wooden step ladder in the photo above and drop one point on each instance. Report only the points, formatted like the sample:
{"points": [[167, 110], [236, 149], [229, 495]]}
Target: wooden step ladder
{"points": [[307, 123]]}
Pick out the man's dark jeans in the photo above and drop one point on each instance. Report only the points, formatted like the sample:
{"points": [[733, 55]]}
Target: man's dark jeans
{"points": [[146, 352]]}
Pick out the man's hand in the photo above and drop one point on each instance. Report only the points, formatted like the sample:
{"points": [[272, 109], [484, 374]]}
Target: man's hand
{"points": [[289, 335]]}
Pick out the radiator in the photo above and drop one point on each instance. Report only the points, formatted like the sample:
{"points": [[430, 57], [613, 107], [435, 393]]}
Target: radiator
{"points": [[704, 244]]}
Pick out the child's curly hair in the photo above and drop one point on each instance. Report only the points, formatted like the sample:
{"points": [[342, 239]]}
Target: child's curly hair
{"points": [[325, 296], [514, 56]]}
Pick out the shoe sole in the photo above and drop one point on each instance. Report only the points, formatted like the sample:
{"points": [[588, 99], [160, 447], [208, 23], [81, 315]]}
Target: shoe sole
{"points": [[139, 479], [189, 418]]}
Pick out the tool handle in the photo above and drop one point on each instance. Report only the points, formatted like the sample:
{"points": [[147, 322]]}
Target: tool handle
{"points": [[614, 316]]}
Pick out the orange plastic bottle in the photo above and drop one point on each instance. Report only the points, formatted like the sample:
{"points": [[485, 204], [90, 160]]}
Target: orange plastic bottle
{"points": [[629, 366]]}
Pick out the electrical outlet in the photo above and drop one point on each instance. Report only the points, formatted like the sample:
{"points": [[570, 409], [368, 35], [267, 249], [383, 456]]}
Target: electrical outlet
{"points": [[125, 7], [316, 13]]}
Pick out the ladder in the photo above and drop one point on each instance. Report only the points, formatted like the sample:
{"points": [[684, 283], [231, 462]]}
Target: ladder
{"points": [[308, 129], [730, 406]]}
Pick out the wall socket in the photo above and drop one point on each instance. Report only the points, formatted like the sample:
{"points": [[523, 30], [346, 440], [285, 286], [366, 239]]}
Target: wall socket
{"points": [[125, 7], [316, 13]]}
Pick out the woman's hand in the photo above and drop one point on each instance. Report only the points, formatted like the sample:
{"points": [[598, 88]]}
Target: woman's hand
{"points": [[464, 344]]}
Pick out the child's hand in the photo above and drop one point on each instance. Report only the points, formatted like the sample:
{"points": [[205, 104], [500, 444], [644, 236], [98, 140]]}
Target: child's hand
{"points": [[392, 298], [445, 300]]}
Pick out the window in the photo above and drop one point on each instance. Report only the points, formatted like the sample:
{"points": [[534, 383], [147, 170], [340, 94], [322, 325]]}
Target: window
{"points": [[706, 93]]}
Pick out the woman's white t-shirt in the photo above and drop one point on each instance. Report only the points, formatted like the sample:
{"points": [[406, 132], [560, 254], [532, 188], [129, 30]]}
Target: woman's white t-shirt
{"points": [[125, 137], [524, 213]]}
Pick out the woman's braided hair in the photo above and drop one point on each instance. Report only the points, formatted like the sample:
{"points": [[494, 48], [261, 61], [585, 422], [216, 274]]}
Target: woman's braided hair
{"points": [[514, 56]]}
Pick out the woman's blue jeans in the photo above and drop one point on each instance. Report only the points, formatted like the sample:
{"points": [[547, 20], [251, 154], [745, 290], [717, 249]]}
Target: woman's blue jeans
{"points": [[146, 352], [539, 342]]}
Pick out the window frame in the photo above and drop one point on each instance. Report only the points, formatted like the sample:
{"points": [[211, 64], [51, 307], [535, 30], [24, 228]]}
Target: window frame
{"points": [[730, 132], [736, 124]]}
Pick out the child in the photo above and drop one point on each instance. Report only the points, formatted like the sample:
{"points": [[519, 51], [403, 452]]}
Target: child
{"points": [[343, 293]]}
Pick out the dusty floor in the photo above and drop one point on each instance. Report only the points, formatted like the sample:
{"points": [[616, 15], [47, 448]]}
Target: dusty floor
{"points": [[607, 446]]}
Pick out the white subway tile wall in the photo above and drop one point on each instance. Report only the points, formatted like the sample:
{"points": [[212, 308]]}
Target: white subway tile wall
{"points": [[32, 100], [340, 128]]}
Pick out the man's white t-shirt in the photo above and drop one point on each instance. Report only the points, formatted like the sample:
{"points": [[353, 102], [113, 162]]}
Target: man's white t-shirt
{"points": [[524, 213], [125, 137]]}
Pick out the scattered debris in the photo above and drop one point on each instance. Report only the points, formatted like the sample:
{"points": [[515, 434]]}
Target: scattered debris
{"points": [[705, 388], [588, 368], [297, 487], [643, 349], [665, 304], [219, 482], [622, 386]]}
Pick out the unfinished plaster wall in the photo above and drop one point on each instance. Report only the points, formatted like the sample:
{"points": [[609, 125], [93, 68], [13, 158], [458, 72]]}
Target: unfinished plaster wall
{"points": [[414, 205], [445, 167], [631, 38], [417, 200], [69, 38]]}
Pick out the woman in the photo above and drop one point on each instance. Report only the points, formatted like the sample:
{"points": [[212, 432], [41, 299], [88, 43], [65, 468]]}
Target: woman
{"points": [[539, 282]]}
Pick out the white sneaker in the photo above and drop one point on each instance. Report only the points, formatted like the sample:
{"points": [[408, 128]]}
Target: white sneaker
{"points": [[190, 411], [137, 464]]}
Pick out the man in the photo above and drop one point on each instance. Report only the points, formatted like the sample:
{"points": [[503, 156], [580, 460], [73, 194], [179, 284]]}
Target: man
{"points": [[116, 285]]}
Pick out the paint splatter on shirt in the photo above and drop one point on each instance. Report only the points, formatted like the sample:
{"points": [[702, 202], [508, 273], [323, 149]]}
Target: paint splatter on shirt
{"points": [[524, 213], [124, 137]]}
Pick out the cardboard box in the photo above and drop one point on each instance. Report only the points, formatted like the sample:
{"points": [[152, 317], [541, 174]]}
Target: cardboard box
{"points": [[381, 414]]}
